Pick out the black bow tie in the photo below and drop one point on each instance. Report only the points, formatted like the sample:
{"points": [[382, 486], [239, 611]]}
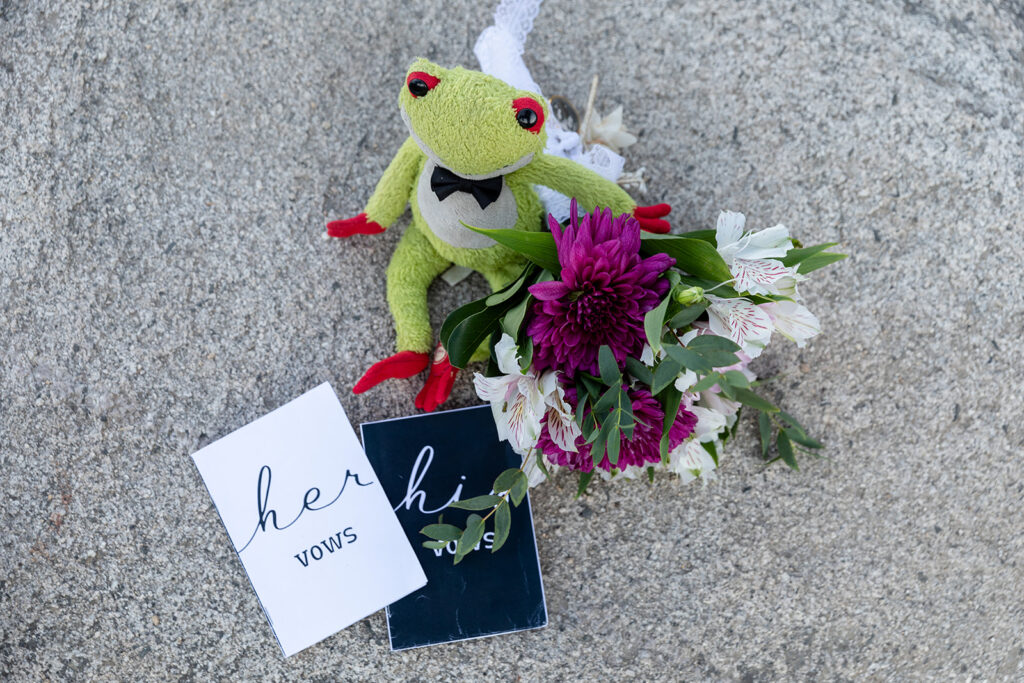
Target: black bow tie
{"points": [[443, 183]]}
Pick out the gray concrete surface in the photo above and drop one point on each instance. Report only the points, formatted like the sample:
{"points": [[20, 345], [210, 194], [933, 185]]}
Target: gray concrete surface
{"points": [[165, 173]]}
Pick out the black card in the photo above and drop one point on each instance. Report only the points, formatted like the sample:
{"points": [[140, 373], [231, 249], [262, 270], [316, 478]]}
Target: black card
{"points": [[423, 463]]}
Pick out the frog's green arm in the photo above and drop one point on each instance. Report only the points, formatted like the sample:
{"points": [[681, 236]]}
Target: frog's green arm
{"points": [[396, 185], [574, 180]]}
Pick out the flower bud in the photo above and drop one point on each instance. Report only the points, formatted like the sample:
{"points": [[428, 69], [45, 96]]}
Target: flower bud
{"points": [[688, 296]]}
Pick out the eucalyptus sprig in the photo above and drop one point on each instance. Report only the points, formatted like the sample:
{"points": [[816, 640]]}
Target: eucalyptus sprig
{"points": [[509, 489]]}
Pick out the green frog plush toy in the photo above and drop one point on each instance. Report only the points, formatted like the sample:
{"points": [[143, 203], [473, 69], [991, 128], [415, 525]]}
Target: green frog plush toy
{"points": [[475, 150]]}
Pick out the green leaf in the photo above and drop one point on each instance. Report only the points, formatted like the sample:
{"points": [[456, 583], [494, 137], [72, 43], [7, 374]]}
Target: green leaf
{"points": [[459, 315], [736, 378], [801, 438], [467, 335], [786, 450], [476, 503], [442, 532], [719, 359], [526, 354], [513, 320], [506, 480], [539, 247], [709, 446], [509, 290], [693, 256], [608, 399], [712, 342], [542, 466], [435, 545], [706, 235], [687, 316], [640, 371], [597, 450], [610, 374], [470, 537], [650, 474], [581, 406], [585, 478], [666, 372], [690, 359], [764, 426], [795, 256], [706, 383], [654, 320], [819, 261], [590, 384], [670, 400], [502, 525], [519, 489], [749, 398], [614, 442]]}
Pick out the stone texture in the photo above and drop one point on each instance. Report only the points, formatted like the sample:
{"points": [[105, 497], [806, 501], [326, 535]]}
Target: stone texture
{"points": [[165, 173]]}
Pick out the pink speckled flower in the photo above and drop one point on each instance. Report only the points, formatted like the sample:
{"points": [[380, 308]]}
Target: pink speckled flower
{"points": [[604, 291]]}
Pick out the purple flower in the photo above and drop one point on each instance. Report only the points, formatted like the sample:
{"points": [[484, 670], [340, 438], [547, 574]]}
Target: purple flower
{"points": [[606, 288], [643, 449]]}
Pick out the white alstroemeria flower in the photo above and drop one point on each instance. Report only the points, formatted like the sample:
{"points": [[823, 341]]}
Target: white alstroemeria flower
{"points": [[710, 423], [519, 400], [515, 397], [561, 419], [647, 356], [686, 379], [690, 461], [751, 257], [534, 474], [741, 321], [792, 321], [712, 400]]}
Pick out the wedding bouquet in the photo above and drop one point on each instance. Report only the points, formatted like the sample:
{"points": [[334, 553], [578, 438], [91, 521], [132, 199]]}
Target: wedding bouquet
{"points": [[618, 353]]}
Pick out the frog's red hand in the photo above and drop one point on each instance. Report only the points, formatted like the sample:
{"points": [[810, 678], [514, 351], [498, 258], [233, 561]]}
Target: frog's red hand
{"points": [[360, 225], [650, 217], [439, 382], [399, 366]]}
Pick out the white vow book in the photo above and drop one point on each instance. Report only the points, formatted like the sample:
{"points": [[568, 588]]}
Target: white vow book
{"points": [[309, 520]]}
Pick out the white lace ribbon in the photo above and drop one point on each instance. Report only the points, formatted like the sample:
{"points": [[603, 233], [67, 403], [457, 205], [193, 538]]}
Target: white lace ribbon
{"points": [[499, 49]]}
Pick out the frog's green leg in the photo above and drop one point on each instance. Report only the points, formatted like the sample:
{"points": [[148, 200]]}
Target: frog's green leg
{"points": [[413, 267]]}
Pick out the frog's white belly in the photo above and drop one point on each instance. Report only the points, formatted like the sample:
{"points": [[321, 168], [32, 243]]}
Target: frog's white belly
{"points": [[445, 218]]}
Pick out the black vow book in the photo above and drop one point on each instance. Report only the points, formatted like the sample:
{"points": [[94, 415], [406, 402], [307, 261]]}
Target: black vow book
{"points": [[423, 463]]}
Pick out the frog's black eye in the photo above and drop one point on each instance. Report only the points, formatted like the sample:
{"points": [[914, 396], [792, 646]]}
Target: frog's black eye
{"points": [[420, 83], [529, 114], [418, 87], [527, 118]]}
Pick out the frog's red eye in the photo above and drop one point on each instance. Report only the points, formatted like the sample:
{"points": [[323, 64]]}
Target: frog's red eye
{"points": [[420, 83], [529, 114]]}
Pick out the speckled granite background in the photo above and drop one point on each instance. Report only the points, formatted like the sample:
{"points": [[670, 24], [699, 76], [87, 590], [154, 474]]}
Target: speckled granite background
{"points": [[165, 172]]}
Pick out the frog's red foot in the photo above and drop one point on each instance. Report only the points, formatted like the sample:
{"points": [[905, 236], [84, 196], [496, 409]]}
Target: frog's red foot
{"points": [[399, 366], [360, 225], [650, 217], [439, 382]]}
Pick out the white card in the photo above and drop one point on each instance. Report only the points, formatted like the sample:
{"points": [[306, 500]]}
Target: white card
{"points": [[309, 520]]}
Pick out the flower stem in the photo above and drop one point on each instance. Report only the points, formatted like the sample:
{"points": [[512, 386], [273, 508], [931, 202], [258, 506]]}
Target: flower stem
{"points": [[504, 500]]}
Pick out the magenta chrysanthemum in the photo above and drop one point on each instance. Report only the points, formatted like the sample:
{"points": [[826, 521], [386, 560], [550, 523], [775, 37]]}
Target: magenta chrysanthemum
{"points": [[606, 288], [643, 449]]}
